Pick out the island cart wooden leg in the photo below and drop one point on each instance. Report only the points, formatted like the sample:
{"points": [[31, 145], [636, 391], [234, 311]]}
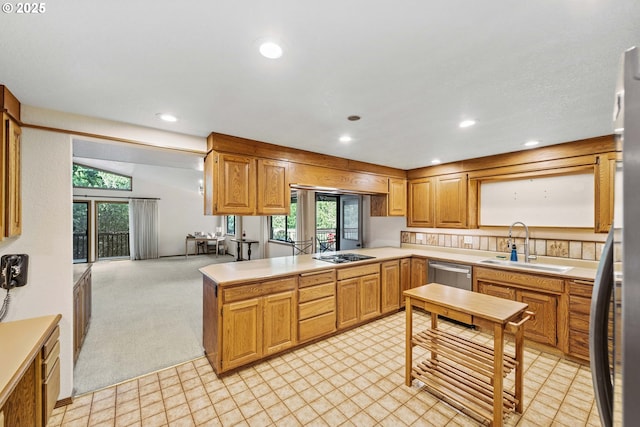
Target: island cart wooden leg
{"points": [[498, 350], [519, 338], [408, 347], [434, 325]]}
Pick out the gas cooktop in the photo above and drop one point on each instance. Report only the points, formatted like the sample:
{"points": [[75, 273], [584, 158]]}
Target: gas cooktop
{"points": [[342, 258]]}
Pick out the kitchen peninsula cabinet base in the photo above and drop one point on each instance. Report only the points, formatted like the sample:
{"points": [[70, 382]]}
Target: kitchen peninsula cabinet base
{"points": [[465, 374]]}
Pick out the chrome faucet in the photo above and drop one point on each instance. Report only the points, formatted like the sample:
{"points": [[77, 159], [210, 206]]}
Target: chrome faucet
{"points": [[526, 239]]}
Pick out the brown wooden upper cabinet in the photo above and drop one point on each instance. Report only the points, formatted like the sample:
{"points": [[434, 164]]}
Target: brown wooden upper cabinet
{"points": [[243, 185], [421, 203], [451, 201], [439, 201], [10, 161], [274, 195], [392, 204]]}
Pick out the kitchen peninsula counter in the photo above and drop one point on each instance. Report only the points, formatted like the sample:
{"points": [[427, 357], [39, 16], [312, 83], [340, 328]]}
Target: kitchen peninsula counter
{"points": [[254, 309], [235, 273]]}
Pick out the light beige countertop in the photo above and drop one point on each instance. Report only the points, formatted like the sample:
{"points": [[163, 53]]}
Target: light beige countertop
{"points": [[20, 341], [250, 271]]}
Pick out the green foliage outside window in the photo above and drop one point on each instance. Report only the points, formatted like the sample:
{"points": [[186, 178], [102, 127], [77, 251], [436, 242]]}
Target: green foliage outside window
{"points": [[113, 217], [87, 177], [80, 217], [283, 227], [326, 214], [231, 224]]}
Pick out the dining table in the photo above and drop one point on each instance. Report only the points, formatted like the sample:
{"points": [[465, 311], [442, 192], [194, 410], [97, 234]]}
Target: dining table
{"points": [[199, 239]]}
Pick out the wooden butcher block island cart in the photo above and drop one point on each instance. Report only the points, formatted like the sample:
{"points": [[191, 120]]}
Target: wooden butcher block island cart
{"points": [[465, 374]]}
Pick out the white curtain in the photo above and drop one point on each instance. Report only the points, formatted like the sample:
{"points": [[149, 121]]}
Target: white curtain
{"points": [[143, 228]]}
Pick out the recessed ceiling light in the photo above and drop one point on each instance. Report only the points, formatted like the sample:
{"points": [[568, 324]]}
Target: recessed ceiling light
{"points": [[435, 161], [345, 138], [467, 123], [531, 143], [271, 50], [167, 117]]}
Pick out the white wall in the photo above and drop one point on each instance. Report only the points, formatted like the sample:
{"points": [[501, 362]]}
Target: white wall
{"points": [[380, 230], [46, 238]]}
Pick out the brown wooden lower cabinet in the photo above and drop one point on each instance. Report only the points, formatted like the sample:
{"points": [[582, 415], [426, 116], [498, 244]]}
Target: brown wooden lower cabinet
{"points": [[579, 312], [358, 294], [405, 278], [257, 327], [390, 286], [516, 286], [30, 400], [246, 322], [316, 304], [418, 272], [81, 307]]}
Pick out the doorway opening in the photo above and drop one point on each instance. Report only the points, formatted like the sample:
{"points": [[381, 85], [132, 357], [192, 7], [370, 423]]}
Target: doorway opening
{"points": [[338, 222]]}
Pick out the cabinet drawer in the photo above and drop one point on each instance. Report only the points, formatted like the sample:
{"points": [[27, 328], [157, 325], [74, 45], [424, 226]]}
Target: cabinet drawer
{"points": [[579, 304], [50, 361], [451, 314], [579, 322], [51, 390], [363, 270], [51, 342], [317, 326], [317, 307], [531, 281], [579, 343], [316, 278], [316, 292], [583, 289], [258, 289]]}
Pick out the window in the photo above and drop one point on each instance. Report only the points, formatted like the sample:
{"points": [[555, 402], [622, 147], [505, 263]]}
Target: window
{"points": [[113, 229], [81, 215], [283, 227], [88, 177], [231, 224]]}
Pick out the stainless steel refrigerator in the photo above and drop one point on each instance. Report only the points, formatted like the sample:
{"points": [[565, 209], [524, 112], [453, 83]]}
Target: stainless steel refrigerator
{"points": [[614, 337]]}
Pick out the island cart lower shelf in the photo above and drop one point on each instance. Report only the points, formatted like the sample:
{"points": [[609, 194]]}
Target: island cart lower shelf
{"points": [[465, 374]]}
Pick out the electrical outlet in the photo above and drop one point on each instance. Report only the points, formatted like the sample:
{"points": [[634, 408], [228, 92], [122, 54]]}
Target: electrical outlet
{"points": [[419, 236], [13, 269], [468, 240]]}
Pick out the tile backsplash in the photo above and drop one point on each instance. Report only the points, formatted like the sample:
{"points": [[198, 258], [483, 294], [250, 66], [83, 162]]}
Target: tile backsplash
{"points": [[588, 250]]}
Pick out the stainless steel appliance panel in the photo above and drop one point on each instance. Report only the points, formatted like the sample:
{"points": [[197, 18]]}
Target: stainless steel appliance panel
{"points": [[450, 274]]}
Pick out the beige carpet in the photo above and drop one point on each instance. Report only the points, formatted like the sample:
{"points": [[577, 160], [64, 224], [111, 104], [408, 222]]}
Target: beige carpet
{"points": [[147, 315]]}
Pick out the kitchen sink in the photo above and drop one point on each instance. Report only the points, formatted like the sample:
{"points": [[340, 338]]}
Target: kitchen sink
{"points": [[529, 266]]}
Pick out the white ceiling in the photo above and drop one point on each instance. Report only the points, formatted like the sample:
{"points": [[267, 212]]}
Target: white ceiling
{"points": [[132, 154], [543, 69]]}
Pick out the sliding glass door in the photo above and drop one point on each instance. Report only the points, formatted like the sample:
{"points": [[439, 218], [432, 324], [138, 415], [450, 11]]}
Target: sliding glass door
{"points": [[81, 228], [350, 222], [112, 223]]}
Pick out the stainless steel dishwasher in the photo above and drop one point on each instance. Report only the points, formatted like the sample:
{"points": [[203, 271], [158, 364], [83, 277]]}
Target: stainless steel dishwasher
{"points": [[450, 274]]}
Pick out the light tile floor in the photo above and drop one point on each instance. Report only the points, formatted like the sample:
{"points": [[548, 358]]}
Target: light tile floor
{"points": [[352, 379]]}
